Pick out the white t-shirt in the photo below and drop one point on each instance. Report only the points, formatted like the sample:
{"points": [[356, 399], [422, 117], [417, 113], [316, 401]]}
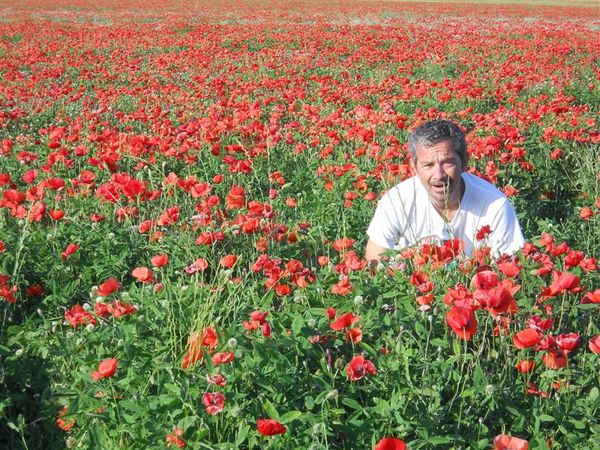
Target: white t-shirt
{"points": [[405, 217]]}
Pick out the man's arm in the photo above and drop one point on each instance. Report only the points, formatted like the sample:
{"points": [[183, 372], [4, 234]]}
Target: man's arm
{"points": [[373, 251]]}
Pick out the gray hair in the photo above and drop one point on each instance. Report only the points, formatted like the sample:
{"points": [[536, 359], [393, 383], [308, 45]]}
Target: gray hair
{"points": [[436, 131]]}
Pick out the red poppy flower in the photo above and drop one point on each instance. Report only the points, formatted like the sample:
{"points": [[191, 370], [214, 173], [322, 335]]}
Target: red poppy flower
{"points": [[62, 423], [143, 274], [35, 290], [175, 438], [108, 287], [509, 268], [594, 344], [390, 443], [462, 321], [504, 442], [106, 369], [586, 213], [70, 250], [526, 338], [120, 309], [282, 289], [217, 379], [343, 244], [555, 359], [213, 402], [270, 427], [343, 287], [525, 366], [358, 367], [483, 232], [196, 343], [567, 342], [36, 212], [354, 335], [344, 321], [485, 279], [160, 260], [331, 313], [562, 281], [591, 297], [56, 214], [228, 261], [222, 358], [78, 316], [539, 324]]}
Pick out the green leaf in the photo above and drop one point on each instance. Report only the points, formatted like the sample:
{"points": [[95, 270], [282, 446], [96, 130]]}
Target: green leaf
{"points": [[593, 394], [370, 350], [352, 403], [437, 342], [297, 325], [172, 388], [241, 435], [270, 410], [437, 440], [290, 416], [309, 402], [546, 418]]}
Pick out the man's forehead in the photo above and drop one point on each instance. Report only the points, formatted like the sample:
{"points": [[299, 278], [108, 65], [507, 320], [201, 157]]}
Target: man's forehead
{"points": [[437, 150]]}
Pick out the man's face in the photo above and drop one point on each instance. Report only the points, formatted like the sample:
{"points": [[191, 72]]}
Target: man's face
{"points": [[439, 168]]}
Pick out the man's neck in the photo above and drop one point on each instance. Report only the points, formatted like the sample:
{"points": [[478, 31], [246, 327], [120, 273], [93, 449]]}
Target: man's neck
{"points": [[449, 209]]}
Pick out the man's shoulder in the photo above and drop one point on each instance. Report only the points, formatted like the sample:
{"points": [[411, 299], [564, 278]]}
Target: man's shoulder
{"points": [[483, 189], [406, 190]]}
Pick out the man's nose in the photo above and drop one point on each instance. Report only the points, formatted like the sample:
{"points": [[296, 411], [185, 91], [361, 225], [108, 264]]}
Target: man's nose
{"points": [[438, 172]]}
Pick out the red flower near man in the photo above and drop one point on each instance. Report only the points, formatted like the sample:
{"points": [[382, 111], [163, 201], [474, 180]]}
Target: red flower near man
{"points": [[106, 369], [343, 287], [270, 427], [358, 367], [561, 282], [462, 321]]}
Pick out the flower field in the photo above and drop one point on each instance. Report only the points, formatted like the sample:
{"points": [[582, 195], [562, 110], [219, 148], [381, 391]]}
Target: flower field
{"points": [[184, 197]]}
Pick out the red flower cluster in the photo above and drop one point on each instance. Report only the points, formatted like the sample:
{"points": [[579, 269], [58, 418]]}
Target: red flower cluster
{"points": [[77, 316], [258, 320]]}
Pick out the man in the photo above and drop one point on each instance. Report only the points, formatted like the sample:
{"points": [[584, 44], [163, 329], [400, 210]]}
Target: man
{"points": [[442, 201]]}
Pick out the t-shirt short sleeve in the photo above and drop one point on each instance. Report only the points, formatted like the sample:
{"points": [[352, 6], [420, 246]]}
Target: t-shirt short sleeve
{"points": [[506, 236], [384, 227]]}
